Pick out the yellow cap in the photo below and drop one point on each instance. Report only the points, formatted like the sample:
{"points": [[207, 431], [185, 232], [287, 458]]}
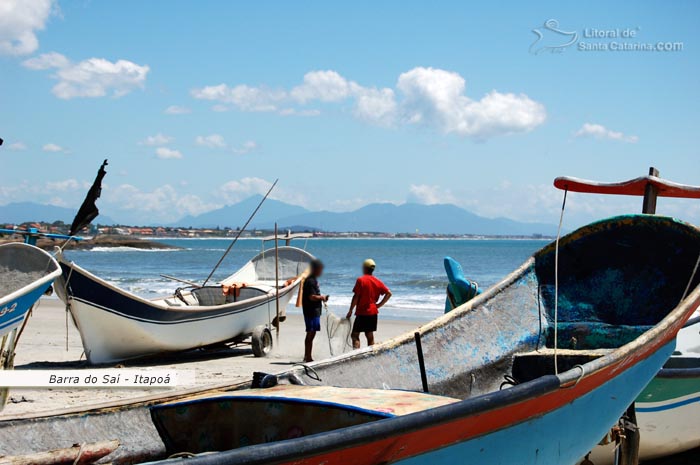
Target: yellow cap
{"points": [[369, 263]]}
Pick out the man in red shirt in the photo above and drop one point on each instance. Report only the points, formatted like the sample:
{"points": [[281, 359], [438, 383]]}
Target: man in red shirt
{"points": [[367, 291]]}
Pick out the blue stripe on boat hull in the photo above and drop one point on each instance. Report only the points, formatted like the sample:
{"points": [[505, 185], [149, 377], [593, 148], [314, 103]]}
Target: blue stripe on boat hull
{"points": [[667, 406], [11, 319], [577, 426], [85, 289]]}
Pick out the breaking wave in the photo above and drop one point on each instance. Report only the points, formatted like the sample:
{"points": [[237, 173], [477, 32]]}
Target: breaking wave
{"points": [[129, 249]]}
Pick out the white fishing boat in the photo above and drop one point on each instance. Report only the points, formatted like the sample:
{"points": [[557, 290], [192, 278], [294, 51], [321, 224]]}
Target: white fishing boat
{"points": [[115, 324], [669, 407], [26, 272]]}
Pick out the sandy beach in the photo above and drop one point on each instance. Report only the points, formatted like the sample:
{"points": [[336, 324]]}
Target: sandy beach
{"points": [[43, 346]]}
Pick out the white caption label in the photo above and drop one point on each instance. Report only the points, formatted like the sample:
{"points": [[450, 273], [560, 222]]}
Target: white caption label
{"points": [[97, 378]]}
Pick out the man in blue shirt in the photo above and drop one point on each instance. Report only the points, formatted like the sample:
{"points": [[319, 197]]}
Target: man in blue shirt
{"points": [[312, 303]]}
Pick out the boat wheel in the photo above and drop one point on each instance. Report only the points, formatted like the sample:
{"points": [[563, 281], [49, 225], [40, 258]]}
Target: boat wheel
{"points": [[261, 341]]}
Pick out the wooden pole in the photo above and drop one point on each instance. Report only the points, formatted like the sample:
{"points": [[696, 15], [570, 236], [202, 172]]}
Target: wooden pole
{"points": [[650, 194], [81, 454], [421, 362], [628, 452], [277, 285]]}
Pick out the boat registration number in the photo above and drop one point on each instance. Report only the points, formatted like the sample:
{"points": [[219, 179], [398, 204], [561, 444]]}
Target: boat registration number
{"points": [[5, 310]]}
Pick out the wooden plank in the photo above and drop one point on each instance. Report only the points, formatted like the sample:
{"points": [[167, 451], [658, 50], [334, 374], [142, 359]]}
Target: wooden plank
{"points": [[77, 454], [636, 187]]}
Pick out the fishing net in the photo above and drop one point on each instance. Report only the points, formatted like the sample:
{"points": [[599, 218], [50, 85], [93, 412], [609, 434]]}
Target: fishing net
{"points": [[338, 330], [12, 280]]}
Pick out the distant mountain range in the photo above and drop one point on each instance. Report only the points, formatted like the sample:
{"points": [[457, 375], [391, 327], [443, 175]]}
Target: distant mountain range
{"points": [[376, 217], [22, 212], [234, 216]]}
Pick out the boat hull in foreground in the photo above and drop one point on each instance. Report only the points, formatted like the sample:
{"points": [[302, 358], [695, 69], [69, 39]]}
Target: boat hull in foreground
{"points": [[606, 354], [669, 407], [545, 422]]}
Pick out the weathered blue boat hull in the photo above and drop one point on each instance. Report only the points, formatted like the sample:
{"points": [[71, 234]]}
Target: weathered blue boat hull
{"points": [[13, 311], [543, 441], [36, 269]]}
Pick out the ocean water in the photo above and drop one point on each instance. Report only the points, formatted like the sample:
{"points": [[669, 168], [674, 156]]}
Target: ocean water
{"points": [[411, 268]]}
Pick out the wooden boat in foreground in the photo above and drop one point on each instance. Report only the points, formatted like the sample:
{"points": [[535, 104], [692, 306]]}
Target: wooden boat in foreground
{"points": [[668, 409], [517, 399], [115, 324]]}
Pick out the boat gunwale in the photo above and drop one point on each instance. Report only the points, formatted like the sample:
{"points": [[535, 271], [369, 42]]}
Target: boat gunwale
{"points": [[47, 278], [226, 310], [316, 444]]}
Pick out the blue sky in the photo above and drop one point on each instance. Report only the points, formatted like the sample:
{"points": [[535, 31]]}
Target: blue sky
{"points": [[200, 104]]}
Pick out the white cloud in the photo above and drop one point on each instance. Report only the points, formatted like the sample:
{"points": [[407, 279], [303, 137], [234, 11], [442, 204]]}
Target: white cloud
{"points": [[19, 22], [237, 190], [46, 61], [66, 185], [212, 141], [16, 146], [376, 106], [436, 97], [423, 96], [44, 191], [158, 139], [162, 204], [51, 147], [429, 195], [247, 146], [598, 131], [166, 153], [303, 112], [176, 110], [326, 86], [220, 108], [94, 77], [245, 97]]}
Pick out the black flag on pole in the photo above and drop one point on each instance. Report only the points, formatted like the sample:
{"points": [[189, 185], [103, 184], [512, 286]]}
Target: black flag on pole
{"points": [[88, 210]]}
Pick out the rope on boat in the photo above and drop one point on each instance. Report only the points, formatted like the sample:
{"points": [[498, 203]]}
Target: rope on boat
{"points": [[692, 278], [309, 371], [68, 299], [556, 284], [80, 454]]}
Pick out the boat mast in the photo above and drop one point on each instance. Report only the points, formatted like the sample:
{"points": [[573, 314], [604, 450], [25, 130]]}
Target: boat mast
{"points": [[240, 231], [651, 192], [277, 284]]}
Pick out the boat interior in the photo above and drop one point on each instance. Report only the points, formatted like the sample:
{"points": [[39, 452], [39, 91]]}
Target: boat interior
{"points": [[618, 278], [222, 422], [614, 286], [256, 279], [22, 265], [618, 283]]}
